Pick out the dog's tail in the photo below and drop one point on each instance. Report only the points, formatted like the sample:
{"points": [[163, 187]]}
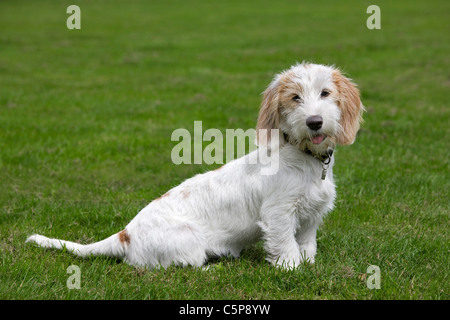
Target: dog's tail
{"points": [[114, 246]]}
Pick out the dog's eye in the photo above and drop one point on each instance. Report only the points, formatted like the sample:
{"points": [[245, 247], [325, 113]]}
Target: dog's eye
{"points": [[325, 93], [296, 98]]}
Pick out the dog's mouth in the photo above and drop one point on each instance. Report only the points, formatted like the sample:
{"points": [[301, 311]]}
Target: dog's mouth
{"points": [[318, 139]]}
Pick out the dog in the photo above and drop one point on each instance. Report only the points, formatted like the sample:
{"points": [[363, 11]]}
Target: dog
{"points": [[305, 112]]}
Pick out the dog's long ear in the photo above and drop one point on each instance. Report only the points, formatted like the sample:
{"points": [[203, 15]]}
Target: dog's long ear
{"points": [[350, 106], [268, 114]]}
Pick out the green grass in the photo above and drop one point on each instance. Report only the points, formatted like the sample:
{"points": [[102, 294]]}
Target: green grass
{"points": [[86, 118]]}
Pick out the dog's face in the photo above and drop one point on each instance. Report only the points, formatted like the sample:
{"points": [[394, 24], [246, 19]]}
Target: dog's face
{"points": [[314, 106]]}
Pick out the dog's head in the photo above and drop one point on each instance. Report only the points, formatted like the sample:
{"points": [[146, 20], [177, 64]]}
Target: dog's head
{"points": [[313, 106]]}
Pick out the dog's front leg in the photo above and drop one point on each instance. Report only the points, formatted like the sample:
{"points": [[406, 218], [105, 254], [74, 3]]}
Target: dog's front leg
{"points": [[279, 238], [306, 239]]}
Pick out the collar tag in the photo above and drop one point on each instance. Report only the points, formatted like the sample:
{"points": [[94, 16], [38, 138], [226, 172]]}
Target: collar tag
{"points": [[324, 170], [326, 163]]}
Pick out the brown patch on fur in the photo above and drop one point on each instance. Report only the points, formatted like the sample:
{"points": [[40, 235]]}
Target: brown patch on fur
{"points": [[186, 193], [163, 196], [124, 237], [351, 108], [217, 169]]}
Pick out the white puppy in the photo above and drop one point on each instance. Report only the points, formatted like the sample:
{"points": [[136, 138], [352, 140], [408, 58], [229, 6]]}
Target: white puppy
{"points": [[223, 211]]}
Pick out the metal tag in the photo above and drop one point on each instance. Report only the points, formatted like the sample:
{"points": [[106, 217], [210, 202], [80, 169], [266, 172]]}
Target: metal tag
{"points": [[324, 173]]}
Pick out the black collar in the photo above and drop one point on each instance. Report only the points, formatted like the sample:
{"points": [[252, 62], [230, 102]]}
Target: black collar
{"points": [[324, 158]]}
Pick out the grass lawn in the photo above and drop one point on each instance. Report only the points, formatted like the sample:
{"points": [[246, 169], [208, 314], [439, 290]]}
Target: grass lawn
{"points": [[86, 118]]}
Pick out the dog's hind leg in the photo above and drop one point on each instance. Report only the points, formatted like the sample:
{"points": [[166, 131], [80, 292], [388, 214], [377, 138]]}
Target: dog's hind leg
{"points": [[182, 244]]}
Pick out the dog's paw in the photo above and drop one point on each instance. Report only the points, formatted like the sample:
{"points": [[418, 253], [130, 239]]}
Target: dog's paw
{"points": [[308, 252], [287, 264], [293, 263], [306, 259]]}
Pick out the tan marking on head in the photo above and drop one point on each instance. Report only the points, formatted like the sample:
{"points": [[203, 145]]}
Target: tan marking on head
{"points": [[124, 237], [351, 108], [277, 97], [268, 114], [288, 89]]}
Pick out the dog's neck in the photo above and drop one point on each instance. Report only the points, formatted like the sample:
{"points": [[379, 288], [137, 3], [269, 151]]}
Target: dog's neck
{"points": [[324, 158]]}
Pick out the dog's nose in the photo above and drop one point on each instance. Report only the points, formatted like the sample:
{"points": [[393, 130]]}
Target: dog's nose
{"points": [[314, 122]]}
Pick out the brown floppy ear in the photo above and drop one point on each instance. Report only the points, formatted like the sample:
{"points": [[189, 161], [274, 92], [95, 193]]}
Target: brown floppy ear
{"points": [[268, 114], [350, 106]]}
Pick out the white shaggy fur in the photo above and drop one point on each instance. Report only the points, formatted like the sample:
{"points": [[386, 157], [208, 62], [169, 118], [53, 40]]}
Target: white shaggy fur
{"points": [[223, 211]]}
